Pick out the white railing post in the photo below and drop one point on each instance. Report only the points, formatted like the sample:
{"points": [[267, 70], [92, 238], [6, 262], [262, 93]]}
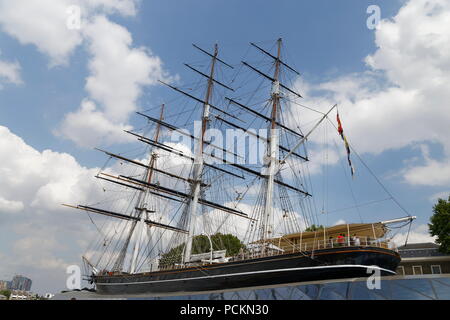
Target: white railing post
{"points": [[348, 234]]}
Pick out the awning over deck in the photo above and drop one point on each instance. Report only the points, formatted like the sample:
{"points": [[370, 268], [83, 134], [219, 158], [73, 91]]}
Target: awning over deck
{"points": [[361, 230]]}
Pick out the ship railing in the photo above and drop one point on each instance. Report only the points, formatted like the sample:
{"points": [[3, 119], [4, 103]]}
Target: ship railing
{"points": [[343, 242], [322, 244], [310, 246]]}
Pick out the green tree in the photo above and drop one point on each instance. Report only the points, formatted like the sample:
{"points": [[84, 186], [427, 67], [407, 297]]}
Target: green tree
{"points": [[314, 228], [201, 244], [440, 224], [6, 293]]}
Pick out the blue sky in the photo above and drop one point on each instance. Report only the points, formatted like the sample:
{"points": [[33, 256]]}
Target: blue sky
{"points": [[326, 38], [392, 115]]}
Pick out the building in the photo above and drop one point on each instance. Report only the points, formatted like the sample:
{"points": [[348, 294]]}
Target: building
{"points": [[422, 258], [5, 285], [2, 297], [21, 295], [21, 283]]}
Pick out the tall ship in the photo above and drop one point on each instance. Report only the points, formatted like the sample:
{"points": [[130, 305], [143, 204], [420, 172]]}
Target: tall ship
{"points": [[216, 192]]}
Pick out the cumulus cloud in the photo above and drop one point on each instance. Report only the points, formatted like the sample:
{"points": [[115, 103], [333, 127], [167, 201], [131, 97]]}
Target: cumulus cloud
{"points": [[123, 7], [89, 127], [440, 195], [419, 234], [34, 185], [118, 71], [402, 99], [43, 23], [10, 73], [42, 179], [432, 173], [8, 206], [339, 222]]}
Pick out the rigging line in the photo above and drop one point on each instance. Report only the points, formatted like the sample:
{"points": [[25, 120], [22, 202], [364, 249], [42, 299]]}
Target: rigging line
{"points": [[113, 255], [238, 71], [286, 51], [120, 235], [239, 201], [96, 244], [98, 229], [348, 181], [147, 248], [375, 177], [359, 205], [314, 213], [304, 106], [307, 214], [291, 116], [407, 235], [399, 227], [304, 180], [325, 176], [106, 222]]}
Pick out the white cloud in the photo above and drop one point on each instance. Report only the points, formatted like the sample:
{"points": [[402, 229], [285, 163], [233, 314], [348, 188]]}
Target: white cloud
{"points": [[9, 206], [118, 71], [339, 222], [42, 179], [440, 195], [44, 236], [43, 23], [418, 234], [403, 99], [432, 173], [89, 127], [10, 73], [123, 7]]}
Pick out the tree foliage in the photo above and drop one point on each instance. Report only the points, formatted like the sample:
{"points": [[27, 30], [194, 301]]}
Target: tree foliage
{"points": [[6, 293], [201, 244], [314, 228], [439, 225]]}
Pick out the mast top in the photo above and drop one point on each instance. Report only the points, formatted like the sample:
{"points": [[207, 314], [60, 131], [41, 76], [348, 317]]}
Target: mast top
{"points": [[214, 55]]}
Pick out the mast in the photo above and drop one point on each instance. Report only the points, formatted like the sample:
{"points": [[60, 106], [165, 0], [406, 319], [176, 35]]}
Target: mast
{"points": [[272, 150], [199, 161], [144, 209]]}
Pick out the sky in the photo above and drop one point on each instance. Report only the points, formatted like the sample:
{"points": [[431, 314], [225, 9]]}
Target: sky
{"points": [[67, 88]]}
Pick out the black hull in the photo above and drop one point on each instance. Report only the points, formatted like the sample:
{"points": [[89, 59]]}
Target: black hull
{"points": [[327, 264]]}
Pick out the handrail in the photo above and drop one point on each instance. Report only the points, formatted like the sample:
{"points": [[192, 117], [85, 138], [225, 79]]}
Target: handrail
{"points": [[292, 247], [343, 242]]}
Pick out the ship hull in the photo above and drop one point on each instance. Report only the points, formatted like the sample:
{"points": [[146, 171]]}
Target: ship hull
{"points": [[326, 264]]}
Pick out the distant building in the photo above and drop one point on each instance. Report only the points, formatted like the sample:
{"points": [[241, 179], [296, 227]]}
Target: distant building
{"points": [[422, 258], [5, 285], [20, 295], [21, 283], [2, 297]]}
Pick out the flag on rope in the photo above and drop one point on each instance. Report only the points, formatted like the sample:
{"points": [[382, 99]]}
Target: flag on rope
{"points": [[347, 146]]}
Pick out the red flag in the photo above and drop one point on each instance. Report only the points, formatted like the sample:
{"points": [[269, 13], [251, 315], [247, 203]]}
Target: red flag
{"points": [[340, 129], [347, 146]]}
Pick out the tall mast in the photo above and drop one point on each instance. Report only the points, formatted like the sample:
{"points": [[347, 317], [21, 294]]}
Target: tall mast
{"points": [[199, 161], [144, 210], [272, 149], [154, 155]]}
